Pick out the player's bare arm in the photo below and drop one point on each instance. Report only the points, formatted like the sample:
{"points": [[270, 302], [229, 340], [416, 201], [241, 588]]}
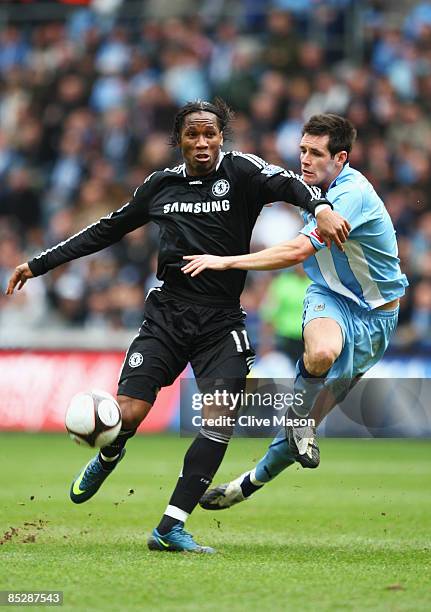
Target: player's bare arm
{"points": [[283, 255], [20, 276]]}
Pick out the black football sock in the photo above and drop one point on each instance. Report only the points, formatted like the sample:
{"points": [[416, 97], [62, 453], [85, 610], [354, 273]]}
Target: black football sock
{"points": [[201, 462], [307, 387], [166, 524], [247, 487], [108, 455]]}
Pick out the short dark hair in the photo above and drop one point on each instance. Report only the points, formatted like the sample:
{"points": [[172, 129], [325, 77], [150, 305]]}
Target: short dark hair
{"points": [[219, 108], [340, 130]]}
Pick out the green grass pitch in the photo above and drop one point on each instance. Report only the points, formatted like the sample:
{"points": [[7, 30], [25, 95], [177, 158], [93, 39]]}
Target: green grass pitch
{"points": [[352, 535]]}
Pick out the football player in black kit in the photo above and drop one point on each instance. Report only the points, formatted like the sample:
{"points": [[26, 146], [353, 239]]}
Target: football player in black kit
{"points": [[207, 204]]}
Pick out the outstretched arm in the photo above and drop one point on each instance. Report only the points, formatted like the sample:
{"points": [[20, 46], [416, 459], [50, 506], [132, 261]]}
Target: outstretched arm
{"points": [[282, 255], [92, 239], [274, 183]]}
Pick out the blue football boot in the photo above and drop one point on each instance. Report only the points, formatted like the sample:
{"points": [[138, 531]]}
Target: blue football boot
{"points": [[90, 479], [176, 540]]}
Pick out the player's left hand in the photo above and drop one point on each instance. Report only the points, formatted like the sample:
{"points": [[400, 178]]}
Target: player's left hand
{"points": [[199, 263], [19, 277], [332, 228]]}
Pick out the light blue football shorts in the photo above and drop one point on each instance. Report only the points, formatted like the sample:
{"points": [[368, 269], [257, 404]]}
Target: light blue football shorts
{"points": [[366, 333]]}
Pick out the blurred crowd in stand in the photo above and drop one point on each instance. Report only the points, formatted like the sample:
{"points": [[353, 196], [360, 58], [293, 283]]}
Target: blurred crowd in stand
{"points": [[86, 106]]}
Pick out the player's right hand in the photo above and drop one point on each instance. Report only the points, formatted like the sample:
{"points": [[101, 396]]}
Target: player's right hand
{"points": [[20, 276], [198, 263], [333, 228]]}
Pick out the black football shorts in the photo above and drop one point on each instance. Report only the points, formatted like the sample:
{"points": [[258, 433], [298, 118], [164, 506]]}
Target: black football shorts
{"points": [[174, 332]]}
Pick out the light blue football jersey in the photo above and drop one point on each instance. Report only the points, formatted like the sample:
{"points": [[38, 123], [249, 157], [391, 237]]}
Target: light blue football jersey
{"points": [[368, 272]]}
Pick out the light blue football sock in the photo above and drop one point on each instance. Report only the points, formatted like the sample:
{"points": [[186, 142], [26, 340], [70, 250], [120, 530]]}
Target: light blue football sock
{"points": [[277, 458]]}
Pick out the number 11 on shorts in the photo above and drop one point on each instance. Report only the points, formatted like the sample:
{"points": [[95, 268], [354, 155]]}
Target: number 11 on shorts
{"points": [[237, 340]]}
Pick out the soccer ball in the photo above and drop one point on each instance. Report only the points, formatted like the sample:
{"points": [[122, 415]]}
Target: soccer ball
{"points": [[93, 418]]}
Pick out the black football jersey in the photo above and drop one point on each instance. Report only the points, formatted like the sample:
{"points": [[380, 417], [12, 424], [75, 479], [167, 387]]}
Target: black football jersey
{"points": [[213, 214]]}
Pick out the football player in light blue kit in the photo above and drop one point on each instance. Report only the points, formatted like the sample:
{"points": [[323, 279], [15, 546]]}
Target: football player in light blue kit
{"points": [[350, 309]]}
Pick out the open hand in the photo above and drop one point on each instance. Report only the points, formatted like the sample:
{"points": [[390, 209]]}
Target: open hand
{"points": [[20, 276], [199, 263], [332, 228]]}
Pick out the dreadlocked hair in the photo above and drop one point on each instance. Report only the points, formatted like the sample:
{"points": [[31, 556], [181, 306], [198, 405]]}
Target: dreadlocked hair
{"points": [[219, 108]]}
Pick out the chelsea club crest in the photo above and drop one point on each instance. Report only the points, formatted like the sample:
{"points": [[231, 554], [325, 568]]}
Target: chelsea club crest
{"points": [[220, 188]]}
